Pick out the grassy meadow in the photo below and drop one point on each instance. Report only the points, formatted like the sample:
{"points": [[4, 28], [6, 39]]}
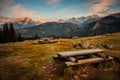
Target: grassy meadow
{"points": [[28, 60]]}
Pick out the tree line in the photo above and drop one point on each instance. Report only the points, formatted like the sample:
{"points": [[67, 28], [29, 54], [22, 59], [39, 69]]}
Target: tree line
{"points": [[8, 34]]}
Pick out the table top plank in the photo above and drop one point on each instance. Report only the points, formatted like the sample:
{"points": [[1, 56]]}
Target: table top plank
{"points": [[79, 52]]}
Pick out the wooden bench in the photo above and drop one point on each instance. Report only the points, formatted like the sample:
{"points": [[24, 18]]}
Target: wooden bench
{"points": [[79, 57]]}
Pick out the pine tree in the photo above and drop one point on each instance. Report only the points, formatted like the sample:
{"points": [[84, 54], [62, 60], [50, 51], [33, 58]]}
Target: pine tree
{"points": [[1, 40], [12, 33], [5, 33], [36, 37], [19, 38]]}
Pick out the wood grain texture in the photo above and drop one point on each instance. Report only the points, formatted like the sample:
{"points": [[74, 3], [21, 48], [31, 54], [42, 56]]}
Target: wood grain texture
{"points": [[79, 52], [90, 60]]}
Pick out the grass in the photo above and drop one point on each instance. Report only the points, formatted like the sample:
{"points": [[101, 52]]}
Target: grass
{"points": [[27, 61]]}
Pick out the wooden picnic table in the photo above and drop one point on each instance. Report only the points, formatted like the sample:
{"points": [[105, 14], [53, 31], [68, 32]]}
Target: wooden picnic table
{"points": [[71, 58]]}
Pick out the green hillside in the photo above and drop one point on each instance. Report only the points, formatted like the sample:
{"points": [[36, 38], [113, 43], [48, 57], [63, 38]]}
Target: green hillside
{"points": [[29, 61]]}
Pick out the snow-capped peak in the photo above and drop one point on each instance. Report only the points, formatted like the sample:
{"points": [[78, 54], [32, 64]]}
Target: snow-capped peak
{"points": [[82, 20]]}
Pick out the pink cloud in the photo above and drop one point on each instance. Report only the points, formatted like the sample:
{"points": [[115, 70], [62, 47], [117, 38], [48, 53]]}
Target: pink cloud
{"points": [[20, 11], [4, 4], [101, 7]]}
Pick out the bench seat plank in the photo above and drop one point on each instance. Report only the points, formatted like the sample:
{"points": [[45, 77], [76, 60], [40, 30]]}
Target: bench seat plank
{"points": [[90, 60]]}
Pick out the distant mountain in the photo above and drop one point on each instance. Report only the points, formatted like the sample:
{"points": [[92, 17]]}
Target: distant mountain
{"points": [[50, 28], [19, 22], [4, 19], [107, 24], [24, 22], [83, 20]]}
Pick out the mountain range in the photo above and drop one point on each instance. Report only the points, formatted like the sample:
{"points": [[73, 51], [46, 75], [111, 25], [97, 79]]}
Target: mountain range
{"points": [[75, 26], [24, 22], [28, 22], [101, 25], [83, 20], [107, 24], [20, 22]]}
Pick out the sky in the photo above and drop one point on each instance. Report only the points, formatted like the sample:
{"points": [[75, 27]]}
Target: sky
{"points": [[50, 10]]}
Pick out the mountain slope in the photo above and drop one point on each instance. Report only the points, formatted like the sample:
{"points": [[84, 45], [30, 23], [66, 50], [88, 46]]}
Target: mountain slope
{"points": [[108, 24], [50, 28]]}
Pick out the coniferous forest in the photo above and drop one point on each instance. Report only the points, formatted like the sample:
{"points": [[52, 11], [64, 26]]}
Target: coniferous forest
{"points": [[7, 34]]}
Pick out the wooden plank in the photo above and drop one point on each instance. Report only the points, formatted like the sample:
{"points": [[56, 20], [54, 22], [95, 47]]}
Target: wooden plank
{"points": [[55, 57], [59, 59], [72, 59], [86, 61], [101, 55], [79, 52]]}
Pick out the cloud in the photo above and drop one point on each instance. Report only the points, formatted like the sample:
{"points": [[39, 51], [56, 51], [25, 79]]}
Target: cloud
{"points": [[94, 3], [52, 1], [102, 6], [20, 11], [4, 4]]}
